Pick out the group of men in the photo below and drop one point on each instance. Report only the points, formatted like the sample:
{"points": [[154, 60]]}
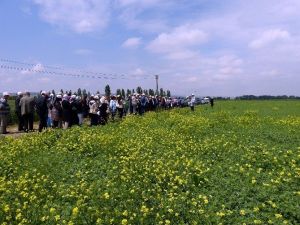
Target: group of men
{"points": [[66, 110]]}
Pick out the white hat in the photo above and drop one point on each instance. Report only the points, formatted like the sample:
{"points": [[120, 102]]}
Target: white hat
{"points": [[96, 97], [43, 93], [20, 93], [58, 96], [6, 93], [192, 94]]}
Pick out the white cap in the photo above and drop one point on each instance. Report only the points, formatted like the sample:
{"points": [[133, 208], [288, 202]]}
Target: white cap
{"points": [[96, 97], [58, 96], [43, 93], [6, 93], [192, 94], [19, 93]]}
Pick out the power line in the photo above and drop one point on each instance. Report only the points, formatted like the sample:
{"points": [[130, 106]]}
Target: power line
{"points": [[8, 64]]}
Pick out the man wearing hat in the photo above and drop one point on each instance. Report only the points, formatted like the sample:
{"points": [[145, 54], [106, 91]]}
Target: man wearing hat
{"points": [[192, 102], [4, 112], [42, 110], [18, 111], [27, 104]]}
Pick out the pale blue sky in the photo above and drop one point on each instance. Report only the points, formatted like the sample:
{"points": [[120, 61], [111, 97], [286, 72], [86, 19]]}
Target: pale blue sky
{"points": [[208, 47]]}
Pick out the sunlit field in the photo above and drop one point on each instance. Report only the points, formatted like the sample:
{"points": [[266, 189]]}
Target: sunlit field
{"points": [[238, 163]]}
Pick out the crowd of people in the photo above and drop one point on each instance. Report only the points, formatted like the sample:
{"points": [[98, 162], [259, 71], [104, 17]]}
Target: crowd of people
{"points": [[67, 110]]}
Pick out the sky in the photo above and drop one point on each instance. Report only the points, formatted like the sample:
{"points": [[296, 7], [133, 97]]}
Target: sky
{"points": [[205, 47]]}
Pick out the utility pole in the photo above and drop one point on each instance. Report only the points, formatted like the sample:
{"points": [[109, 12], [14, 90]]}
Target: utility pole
{"points": [[156, 78]]}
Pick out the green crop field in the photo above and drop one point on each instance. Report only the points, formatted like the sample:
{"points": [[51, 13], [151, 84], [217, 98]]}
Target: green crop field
{"points": [[238, 163]]}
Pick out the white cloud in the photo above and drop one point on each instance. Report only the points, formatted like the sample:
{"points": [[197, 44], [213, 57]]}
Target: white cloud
{"points": [[140, 3], [78, 15], [138, 72], [83, 51], [271, 73], [180, 38], [133, 42], [269, 37], [191, 79]]}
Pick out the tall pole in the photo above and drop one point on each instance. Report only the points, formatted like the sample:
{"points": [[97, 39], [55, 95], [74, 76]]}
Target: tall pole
{"points": [[156, 78]]}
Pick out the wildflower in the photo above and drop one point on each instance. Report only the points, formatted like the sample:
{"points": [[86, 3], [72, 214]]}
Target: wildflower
{"points": [[57, 217], [256, 209], [52, 210], [278, 216], [19, 216], [242, 212], [75, 211], [167, 222], [106, 195], [124, 221], [6, 208]]}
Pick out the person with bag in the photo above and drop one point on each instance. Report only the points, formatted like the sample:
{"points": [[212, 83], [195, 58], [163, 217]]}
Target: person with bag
{"points": [[4, 113], [18, 111]]}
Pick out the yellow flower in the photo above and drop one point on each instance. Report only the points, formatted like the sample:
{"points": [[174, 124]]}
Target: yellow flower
{"points": [[124, 221], [52, 210], [278, 216], [242, 212], [57, 217], [106, 195], [19, 216], [256, 209], [6, 208], [75, 211], [125, 213], [167, 222]]}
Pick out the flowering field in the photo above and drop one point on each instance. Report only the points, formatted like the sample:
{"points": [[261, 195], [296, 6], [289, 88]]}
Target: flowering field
{"points": [[238, 163]]}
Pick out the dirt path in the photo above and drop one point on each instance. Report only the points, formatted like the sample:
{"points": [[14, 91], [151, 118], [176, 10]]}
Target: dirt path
{"points": [[13, 131]]}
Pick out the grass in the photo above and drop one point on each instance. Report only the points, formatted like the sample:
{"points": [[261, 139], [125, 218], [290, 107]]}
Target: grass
{"points": [[234, 164]]}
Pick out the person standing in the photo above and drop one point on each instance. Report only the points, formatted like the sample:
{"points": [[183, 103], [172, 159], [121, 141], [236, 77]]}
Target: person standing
{"points": [[42, 110], [27, 104], [120, 106], [103, 110], [211, 101], [192, 102], [113, 107], [4, 112], [18, 111], [66, 112]]}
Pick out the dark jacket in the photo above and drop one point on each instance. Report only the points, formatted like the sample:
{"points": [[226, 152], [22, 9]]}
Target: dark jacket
{"points": [[66, 111]]}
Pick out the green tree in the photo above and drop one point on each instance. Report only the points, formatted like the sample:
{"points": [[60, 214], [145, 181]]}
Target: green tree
{"points": [[133, 91], [79, 92], [123, 93], [139, 90], [84, 92], [161, 92], [107, 90], [118, 92], [146, 92], [128, 92], [168, 93], [151, 92]]}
